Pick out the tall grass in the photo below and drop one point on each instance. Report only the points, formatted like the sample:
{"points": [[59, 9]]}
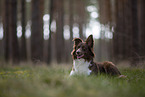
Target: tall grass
{"points": [[54, 81]]}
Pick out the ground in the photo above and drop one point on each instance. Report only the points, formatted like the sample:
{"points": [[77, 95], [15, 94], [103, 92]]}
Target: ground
{"points": [[54, 81]]}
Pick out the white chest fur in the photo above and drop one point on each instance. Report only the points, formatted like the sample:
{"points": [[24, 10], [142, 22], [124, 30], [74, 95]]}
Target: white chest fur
{"points": [[80, 66]]}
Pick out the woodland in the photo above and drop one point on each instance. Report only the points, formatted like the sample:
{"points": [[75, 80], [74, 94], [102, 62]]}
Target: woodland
{"points": [[36, 43], [43, 30]]}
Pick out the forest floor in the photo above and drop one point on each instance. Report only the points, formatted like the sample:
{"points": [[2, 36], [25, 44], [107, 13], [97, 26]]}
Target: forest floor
{"points": [[54, 81]]}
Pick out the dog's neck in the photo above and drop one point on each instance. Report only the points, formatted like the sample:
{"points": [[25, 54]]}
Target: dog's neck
{"points": [[81, 66]]}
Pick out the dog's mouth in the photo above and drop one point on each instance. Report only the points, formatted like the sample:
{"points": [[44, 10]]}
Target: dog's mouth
{"points": [[80, 56]]}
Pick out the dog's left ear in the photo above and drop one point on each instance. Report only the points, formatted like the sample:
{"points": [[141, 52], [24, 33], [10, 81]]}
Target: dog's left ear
{"points": [[90, 41]]}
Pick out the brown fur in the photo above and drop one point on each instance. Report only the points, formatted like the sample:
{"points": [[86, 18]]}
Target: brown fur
{"points": [[85, 49], [105, 67]]}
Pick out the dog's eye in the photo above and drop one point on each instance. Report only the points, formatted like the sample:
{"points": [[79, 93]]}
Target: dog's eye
{"points": [[78, 46], [84, 49]]}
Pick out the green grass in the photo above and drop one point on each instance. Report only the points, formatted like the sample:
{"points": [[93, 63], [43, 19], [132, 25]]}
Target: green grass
{"points": [[54, 81]]}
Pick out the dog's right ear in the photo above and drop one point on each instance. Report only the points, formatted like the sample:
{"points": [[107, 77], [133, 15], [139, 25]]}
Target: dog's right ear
{"points": [[77, 41], [90, 41]]}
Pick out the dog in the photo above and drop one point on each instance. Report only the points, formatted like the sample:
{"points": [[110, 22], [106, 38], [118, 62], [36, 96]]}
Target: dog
{"points": [[83, 63]]}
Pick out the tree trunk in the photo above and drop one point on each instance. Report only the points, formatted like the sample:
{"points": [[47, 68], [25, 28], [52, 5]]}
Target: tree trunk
{"points": [[23, 40], [135, 35], [105, 11], [37, 31], [1, 25], [59, 31], [6, 30], [115, 34], [51, 12], [14, 48], [71, 20], [80, 13], [141, 18]]}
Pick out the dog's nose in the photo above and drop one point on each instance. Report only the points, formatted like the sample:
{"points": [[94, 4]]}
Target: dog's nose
{"points": [[78, 52]]}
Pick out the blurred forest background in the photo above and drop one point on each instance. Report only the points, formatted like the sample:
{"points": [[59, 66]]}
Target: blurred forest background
{"points": [[42, 30]]}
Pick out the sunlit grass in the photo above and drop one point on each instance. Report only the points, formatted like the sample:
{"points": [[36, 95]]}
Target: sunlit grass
{"points": [[54, 81]]}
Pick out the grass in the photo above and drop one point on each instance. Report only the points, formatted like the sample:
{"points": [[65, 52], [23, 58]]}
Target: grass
{"points": [[54, 81]]}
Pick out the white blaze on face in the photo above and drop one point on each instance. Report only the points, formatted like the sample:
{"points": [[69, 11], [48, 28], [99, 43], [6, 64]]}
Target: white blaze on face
{"points": [[79, 50], [79, 53]]}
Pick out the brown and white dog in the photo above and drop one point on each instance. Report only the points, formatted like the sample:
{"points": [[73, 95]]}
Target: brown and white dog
{"points": [[83, 63]]}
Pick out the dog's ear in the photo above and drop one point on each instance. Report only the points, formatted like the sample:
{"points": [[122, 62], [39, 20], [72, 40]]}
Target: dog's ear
{"points": [[77, 41], [90, 41]]}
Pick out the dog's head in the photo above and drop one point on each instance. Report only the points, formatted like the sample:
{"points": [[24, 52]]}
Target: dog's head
{"points": [[83, 50]]}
